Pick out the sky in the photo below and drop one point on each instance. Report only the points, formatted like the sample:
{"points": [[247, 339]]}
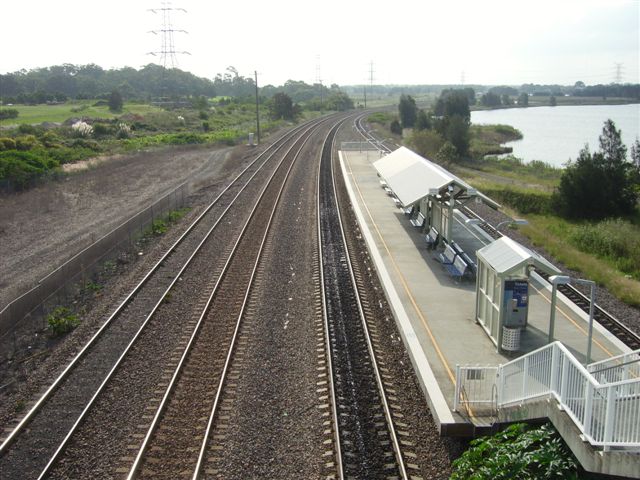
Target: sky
{"points": [[490, 42]]}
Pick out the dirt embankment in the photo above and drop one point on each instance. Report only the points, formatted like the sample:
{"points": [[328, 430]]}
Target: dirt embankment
{"points": [[45, 226]]}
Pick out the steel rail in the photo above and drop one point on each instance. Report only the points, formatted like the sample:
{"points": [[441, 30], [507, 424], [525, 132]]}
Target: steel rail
{"points": [[368, 136], [228, 359], [79, 420], [73, 363], [371, 351]]}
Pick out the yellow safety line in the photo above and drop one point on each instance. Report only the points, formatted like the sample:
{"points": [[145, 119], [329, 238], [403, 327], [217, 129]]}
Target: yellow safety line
{"points": [[402, 279]]}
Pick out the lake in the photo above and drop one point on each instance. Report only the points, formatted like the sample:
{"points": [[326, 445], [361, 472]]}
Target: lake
{"points": [[556, 134]]}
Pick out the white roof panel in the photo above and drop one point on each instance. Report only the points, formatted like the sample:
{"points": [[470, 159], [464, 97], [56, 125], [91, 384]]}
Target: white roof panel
{"points": [[506, 255], [411, 176]]}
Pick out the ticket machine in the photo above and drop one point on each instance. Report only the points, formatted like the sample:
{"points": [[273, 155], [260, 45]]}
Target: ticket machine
{"points": [[516, 303]]}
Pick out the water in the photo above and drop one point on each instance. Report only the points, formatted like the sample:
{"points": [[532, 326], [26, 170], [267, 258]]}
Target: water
{"points": [[556, 134]]}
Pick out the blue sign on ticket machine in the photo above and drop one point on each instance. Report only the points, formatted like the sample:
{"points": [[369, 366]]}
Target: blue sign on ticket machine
{"points": [[516, 303]]}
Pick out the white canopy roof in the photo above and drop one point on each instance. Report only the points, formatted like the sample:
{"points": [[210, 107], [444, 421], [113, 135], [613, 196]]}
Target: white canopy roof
{"points": [[506, 256], [412, 177]]}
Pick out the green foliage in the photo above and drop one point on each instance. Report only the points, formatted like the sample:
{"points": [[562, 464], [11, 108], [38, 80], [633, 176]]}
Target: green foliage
{"points": [[395, 127], [205, 126], [408, 111], [61, 321], [552, 101], [102, 129], [426, 142], [7, 113], [27, 129], [7, 143], [381, 118], [524, 201], [523, 100], [615, 240], [423, 122], [339, 101], [26, 142], [490, 99], [21, 168], [599, 185], [115, 101], [281, 107], [447, 153], [517, 452]]}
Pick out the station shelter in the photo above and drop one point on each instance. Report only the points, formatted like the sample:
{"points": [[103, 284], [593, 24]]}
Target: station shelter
{"points": [[431, 190], [502, 290]]}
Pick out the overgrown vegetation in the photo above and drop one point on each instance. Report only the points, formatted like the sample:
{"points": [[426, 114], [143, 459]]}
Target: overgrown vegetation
{"points": [[520, 452], [61, 321]]}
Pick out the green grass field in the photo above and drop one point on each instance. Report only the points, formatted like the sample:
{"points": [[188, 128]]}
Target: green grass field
{"points": [[35, 114]]}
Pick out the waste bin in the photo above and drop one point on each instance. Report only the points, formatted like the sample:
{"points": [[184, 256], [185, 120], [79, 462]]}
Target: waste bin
{"points": [[511, 339]]}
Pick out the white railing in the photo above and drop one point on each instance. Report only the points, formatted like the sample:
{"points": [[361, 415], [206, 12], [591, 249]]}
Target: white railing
{"points": [[615, 369], [607, 414], [477, 387]]}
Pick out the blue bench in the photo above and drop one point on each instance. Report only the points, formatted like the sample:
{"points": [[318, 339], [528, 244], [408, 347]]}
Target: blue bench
{"points": [[418, 222], [458, 268], [432, 238], [473, 268], [409, 210], [448, 256]]}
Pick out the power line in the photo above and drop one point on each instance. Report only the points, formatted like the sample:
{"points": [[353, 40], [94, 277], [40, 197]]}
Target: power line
{"points": [[618, 74]]}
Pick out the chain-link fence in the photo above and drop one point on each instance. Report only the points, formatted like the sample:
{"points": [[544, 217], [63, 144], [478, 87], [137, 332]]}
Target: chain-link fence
{"points": [[26, 315]]}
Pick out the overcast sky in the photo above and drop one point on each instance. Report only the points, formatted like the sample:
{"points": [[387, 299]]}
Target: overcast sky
{"points": [[408, 41]]}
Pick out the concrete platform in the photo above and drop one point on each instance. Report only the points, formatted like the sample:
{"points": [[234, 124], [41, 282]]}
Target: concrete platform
{"points": [[435, 312]]}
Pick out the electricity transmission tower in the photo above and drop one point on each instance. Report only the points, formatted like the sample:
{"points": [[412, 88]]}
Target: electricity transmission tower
{"points": [[168, 53], [370, 84], [618, 74]]}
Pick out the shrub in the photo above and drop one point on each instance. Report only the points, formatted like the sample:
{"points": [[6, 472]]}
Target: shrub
{"points": [[395, 127], [203, 115], [205, 126], [101, 129], [50, 140], [523, 201], [517, 452], [7, 143], [7, 113], [124, 131], [82, 129], [426, 142], [27, 129], [20, 168], [26, 143], [61, 321]]}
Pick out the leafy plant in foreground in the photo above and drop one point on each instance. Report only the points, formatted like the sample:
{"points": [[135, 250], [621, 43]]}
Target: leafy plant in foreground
{"points": [[517, 452], [61, 321]]}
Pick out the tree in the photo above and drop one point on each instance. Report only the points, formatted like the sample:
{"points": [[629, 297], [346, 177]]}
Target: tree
{"points": [[395, 127], [599, 185], [339, 101], [457, 133], [506, 100], [447, 153], [423, 122], [490, 99], [523, 99], [115, 101], [408, 111], [552, 101], [281, 107], [635, 154]]}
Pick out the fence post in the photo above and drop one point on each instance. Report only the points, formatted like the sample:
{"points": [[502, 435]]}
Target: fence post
{"points": [[564, 381], [554, 369], [609, 418], [456, 398], [525, 376], [588, 408]]}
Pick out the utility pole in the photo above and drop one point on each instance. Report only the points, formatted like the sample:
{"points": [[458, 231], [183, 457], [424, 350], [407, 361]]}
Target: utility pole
{"points": [[257, 107], [371, 78]]}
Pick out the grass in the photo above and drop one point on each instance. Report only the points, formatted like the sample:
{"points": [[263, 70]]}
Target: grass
{"points": [[34, 114], [557, 236]]}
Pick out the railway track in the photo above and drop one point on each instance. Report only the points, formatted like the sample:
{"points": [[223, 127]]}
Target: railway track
{"points": [[604, 318], [369, 137], [62, 408], [365, 438]]}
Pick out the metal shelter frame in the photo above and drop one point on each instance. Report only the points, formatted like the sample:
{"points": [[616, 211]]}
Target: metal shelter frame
{"points": [[500, 261], [416, 181]]}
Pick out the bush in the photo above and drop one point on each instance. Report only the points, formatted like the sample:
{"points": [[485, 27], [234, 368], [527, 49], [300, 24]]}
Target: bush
{"points": [[7, 144], [27, 129], [102, 129], [426, 143], [523, 201], [20, 168], [7, 113], [61, 321], [205, 126], [395, 127], [25, 143], [517, 452]]}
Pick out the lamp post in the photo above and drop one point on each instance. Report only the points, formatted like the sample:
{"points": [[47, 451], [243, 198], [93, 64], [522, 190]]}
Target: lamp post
{"points": [[592, 301], [555, 281]]}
